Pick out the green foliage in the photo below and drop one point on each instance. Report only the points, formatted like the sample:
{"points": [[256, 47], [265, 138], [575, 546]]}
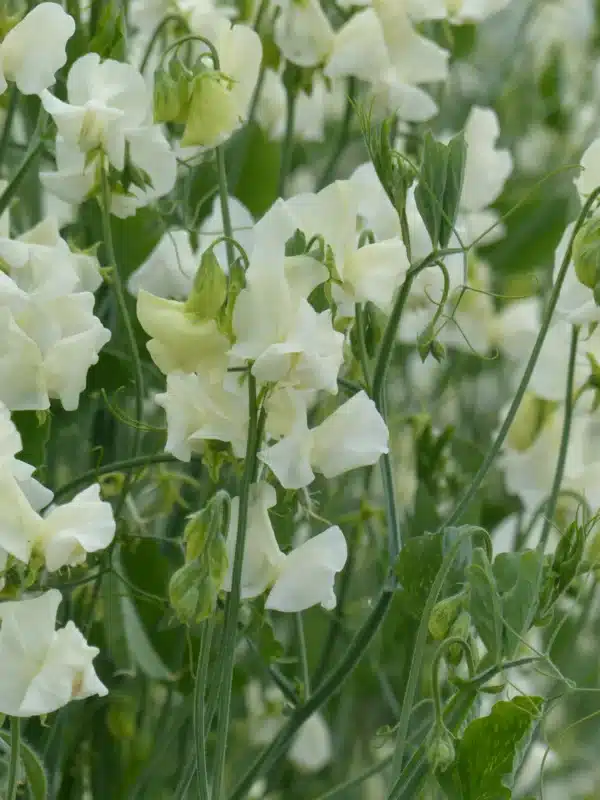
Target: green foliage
{"points": [[490, 751], [485, 603], [440, 184], [35, 428], [35, 774]]}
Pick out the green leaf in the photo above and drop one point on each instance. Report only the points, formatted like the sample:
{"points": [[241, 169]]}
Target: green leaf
{"points": [[259, 173], [491, 750], [416, 569], [34, 427], [37, 783], [140, 646], [431, 187], [518, 576], [456, 155], [109, 41], [485, 604]]}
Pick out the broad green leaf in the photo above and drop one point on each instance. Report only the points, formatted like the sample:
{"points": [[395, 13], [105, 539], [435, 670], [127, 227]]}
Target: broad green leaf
{"points": [[416, 569], [429, 194], [34, 427], [117, 648], [109, 41], [37, 783], [490, 751], [456, 155], [518, 576], [259, 172], [486, 605]]}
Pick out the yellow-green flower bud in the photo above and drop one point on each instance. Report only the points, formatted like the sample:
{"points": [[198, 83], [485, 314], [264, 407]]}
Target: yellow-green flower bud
{"points": [[586, 253], [444, 615], [212, 110], [210, 288]]}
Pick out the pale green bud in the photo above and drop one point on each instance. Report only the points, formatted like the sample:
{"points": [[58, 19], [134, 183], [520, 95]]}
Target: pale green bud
{"points": [[461, 629], [172, 91], [440, 748], [210, 289], [213, 112], [206, 525], [444, 615], [586, 254]]}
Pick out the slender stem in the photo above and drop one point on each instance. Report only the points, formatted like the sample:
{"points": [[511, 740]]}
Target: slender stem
{"points": [[343, 137], [233, 600], [493, 451], [15, 753], [391, 511], [13, 187], [421, 641], [330, 686], [359, 321], [303, 654], [564, 442], [224, 200], [287, 147], [116, 466], [13, 104], [132, 341], [156, 33], [198, 710]]}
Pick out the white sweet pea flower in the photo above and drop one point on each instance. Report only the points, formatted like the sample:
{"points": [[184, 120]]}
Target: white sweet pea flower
{"points": [[34, 50], [372, 272], [180, 342], [262, 557], [303, 32], [42, 669], [303, 578], [277, 329], [198, 409], [42, 265], [169, 270], [46, 351], [486, 167], [457, 11], [106, 99], [355, 435], [589, 179], [72, 530], [10, 444], [380, 45], [73, 180], [20, 525]]}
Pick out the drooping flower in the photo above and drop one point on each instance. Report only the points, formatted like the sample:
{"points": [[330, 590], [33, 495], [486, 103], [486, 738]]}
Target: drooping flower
{"points": [[42, 669], [34, 50], [303, 578], [303, 32]]}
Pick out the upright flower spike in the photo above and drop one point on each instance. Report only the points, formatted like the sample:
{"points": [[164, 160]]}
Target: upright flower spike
{"points": [[303, 578], [34, 50], [42, 669], [355, 435]]}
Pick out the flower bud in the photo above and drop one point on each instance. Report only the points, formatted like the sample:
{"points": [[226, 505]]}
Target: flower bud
{"points": [[206, 525], [460, 628], [212, 112], [526, 425], [171, 93], [122, 716], [440, 750], [444, 615], [209, 290], [586, 253]]}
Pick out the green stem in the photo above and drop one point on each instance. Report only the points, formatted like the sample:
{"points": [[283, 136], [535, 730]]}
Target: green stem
{"points": [[493, 451], [303, 654], [330, 686], [198, 709], [343, 138], [13, 104], [233, 600], [421, 641], [359, 321], [125, 465], [13, 187], [138, 374], [287, 148], [224, 200], [15, 753], [156, 33], [564, 442]]}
